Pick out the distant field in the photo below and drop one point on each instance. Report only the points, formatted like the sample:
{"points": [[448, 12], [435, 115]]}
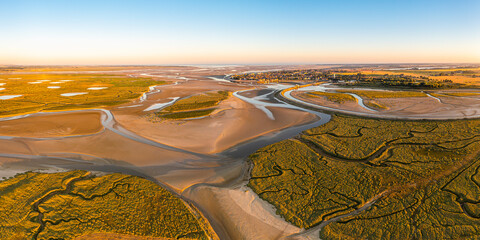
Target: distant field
{"points": [[71, 204], [426, 171], [193, 106], [43, 92], [455, 94], [457, 75]]}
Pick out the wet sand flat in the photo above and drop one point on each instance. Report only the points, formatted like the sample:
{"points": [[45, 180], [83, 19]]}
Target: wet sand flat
{"points": [[109, 145], [234, 122], [53, 125], [241, 213]]}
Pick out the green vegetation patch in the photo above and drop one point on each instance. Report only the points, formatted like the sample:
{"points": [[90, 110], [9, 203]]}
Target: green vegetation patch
{"points": [[207, 100], [425, 173], [193, 106], [334, 97], [36, 96], [384, 94], [375, 105], [186, 114], [71, 204]]}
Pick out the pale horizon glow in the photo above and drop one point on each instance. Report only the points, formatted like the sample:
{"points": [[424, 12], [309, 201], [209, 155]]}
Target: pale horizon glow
{"points": [[239, 32]]}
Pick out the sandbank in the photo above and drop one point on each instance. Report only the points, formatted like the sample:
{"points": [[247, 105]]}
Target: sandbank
{"points": [[240, 213]]}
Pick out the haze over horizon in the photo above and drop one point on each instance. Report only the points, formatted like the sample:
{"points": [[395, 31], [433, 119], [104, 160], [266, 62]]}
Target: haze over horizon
{"points": [[239, 32]]}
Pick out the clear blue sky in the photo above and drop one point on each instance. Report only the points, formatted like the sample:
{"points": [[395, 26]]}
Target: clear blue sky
{"points": [[191, 32]]}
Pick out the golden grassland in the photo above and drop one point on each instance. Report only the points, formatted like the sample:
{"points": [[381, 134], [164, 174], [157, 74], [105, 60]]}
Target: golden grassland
{"points": [[384, 94], [334, 97], [193, 106], [455, 94], [71, 204], [475, 69], [37, 97], [427, 170], [459, 79], [465, 78], [461, 94]]}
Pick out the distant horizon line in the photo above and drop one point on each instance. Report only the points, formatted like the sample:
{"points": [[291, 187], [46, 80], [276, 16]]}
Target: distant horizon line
{"points": [[238, 64]]}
